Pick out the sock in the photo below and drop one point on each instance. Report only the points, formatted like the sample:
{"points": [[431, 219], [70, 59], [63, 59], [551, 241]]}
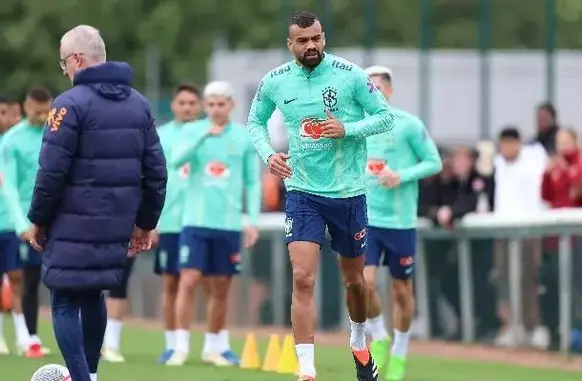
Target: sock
{"points": [[358, 336], [67, 327], [376, 328], [93, 376], [182, 340], [20, 330], [223, 341], [306, 358], [400, 346], [94, 323], [113, 334], [211, 343], [170, 340]]}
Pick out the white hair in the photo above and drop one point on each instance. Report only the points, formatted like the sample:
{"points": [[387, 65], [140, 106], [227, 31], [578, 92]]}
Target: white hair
{"points": [[219, 88], [86, 40], [379, 70]]}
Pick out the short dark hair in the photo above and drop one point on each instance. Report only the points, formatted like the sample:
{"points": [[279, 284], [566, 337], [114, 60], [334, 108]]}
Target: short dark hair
{"points": [[188, 87], [510, 132], [39, 94], [549, 107], [303, 19]]}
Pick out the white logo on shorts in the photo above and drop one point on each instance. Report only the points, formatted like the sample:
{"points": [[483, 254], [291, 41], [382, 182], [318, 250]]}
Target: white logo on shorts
{"points": [[288, 227]]}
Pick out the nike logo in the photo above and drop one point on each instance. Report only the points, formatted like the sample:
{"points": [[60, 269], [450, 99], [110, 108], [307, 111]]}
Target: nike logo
{"points": [[287, 101]]}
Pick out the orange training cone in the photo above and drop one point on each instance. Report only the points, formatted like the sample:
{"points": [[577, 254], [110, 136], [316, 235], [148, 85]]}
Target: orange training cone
{"points": [[273, 355], [288, 360], [250, 356]]}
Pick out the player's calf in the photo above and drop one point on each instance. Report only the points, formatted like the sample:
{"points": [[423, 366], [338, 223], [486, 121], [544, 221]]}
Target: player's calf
{"points": [[403, 297], [169, 295], [375, 323]]}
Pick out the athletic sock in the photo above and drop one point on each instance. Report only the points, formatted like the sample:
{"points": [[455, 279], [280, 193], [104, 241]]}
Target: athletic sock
{"points": [[20, 330], [400, 346], [376, 328], [170, 340], [223, 341], [211, 343], [182, 341], [93, 376], [113, 334], [306, 358], [358, 336]]}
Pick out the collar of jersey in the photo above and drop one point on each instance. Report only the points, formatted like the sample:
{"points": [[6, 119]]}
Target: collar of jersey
{"points": [[319, 69]]}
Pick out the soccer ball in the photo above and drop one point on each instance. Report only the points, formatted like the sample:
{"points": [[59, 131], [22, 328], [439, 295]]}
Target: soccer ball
{"points": [[51, 372]]}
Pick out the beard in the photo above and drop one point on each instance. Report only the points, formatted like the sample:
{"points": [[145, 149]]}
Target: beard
{"points": [[311, 58]]}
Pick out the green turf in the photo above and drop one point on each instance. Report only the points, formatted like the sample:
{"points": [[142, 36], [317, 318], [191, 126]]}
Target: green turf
{"points": [[141, 349]]}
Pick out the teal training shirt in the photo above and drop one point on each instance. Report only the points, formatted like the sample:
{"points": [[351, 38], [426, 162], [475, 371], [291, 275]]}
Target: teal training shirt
{"points": [[222, 169], [171, 218], [409, 151], [6, 224], [20, 149], [321, 166]]}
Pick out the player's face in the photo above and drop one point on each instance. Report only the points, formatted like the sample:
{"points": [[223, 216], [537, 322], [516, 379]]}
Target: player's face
{"points": [[4, 116], [186, 106], [462, 164], [545, 120], [36, 112], [565, 142], [15, 114], [383, 85], [509, 148], [218, 108], [307, 44]]}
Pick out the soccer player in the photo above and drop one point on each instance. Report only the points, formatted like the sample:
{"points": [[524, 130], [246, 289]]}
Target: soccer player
{"points": [[186, 107], [223, 164], [19, 152], [330, 107], [397, 160], [10, 264], [14, 112]]}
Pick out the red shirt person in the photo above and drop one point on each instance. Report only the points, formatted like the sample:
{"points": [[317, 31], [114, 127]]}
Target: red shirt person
{"points": [[562, 181]]}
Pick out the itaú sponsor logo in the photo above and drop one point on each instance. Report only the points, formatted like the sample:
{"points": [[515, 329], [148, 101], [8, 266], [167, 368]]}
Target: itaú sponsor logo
{"points": [[375, 167], [311, 128], [217, 170]]}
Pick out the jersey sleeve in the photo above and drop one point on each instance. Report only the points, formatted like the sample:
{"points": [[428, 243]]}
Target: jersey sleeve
{"points": [[59, 145], [261, 110], [184, 149], [429, 161], [10, 194], [380, 117], [252, 179]]}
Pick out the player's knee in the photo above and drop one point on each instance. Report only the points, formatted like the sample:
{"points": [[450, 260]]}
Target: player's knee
{"points": [[189, 280], [171, 286], [220, 288], [303, 281], [402, 291], [15, 278]]}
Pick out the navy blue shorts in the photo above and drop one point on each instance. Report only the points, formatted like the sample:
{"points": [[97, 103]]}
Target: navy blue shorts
{"points": [[308, 215], [214, 252], [9, 252], [167, 260], [394, 248], [28, 256]]}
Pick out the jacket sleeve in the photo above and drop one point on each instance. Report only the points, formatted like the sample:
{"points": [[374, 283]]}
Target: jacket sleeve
{"points": [[466, 202], [547, 192], [261, 110], [184, 150], [429, 198], [380, 117], [252, 179], [154, 179], [429, 160], [59, 146]]}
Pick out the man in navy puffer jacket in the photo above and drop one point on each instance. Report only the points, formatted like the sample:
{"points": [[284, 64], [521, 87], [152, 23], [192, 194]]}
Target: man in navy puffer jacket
{"points": [[99, 193]]}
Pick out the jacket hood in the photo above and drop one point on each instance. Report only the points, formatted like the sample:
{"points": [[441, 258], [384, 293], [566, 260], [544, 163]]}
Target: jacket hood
{"points": [[111, 80]]}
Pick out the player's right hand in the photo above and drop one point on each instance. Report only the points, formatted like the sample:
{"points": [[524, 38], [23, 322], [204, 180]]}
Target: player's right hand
{"points": [[277, 164]]}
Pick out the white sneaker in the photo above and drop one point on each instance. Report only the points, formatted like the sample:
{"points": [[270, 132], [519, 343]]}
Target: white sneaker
{"points": [[177, 359], [111, 355], [540, 338], [3, 347], [215, 359], [511, 337], [36, 340]]}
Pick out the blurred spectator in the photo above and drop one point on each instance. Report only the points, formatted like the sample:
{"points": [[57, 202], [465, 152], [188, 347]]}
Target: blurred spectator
{"points": [[518, 178], [547, 126], [458, 190], [15, 112]]}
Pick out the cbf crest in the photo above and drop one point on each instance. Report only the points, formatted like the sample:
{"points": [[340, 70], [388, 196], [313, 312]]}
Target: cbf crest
{"points": [[329, 96], [288, 227]]}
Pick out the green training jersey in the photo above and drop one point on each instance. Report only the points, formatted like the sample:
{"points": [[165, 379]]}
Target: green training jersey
{"points": [[6, 224], [171, 218], [222, 169], [408, 151], [19, 153], [321, 166]]}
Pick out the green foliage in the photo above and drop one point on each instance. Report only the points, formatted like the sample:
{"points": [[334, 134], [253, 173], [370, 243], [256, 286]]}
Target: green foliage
{"points": [[184, 31]]}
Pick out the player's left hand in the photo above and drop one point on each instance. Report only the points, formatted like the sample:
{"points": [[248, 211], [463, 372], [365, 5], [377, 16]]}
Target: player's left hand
{"points": [[332, 128], [37, 238], [389, 178], [251, 236]]}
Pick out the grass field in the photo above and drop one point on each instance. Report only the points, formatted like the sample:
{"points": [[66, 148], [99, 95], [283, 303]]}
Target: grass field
{"points": [[141, 347]]}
